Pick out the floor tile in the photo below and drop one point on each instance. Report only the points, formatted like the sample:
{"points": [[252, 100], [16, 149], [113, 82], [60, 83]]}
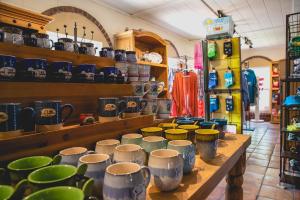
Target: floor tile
{"points": [[260, 156], [274, 164], [263, 198], [275, 193], [271, 181], [263, 151], [275, 158], [259, 162]]}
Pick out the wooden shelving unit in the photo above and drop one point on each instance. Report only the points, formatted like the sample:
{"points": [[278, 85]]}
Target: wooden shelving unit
{"points": [[144, 41], [275, 106], [21, 51]]}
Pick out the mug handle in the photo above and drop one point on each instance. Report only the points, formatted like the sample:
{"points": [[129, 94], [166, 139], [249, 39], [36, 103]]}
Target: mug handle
{"points": [[20, 189], [143, 104], [70, 112], [122, 106], [87, 187], [52, 44], [32, 115], [56, 160], [82, 169], [160, 88], [146, 174], [4, 176], [147, 87]]}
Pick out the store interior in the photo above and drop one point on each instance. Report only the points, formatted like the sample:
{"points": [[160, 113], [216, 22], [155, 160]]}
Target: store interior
{"points": [[157, 99]]}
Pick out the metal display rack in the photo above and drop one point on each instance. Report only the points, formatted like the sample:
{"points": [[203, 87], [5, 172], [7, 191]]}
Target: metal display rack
{"points": [[288, 147]]}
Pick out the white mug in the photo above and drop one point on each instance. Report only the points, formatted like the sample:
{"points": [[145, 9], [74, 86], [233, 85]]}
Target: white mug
{"points": [[106, 146], [70, 156], [129, 153]]}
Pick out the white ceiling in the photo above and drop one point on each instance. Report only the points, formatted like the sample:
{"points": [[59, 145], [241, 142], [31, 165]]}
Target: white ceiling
{"points": [[262, 21]]}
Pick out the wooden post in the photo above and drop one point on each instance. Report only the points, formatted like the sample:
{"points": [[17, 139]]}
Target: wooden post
{"points": [[234, 190]]}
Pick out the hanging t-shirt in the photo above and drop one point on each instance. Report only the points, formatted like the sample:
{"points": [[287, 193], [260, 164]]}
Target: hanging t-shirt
{"points": [[252, 85]]}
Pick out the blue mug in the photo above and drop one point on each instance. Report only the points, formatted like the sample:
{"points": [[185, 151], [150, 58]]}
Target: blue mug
{"points": [[7, 67], [134, 104], [11, 116], [60, 71], [111, 107], [32, 69], [85, 72], [49, 114]]}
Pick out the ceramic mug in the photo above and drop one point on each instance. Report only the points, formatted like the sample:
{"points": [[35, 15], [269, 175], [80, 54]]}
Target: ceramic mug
{"points": [[191, 131], [60, 71], [19, 169], [152, 131], [188, 151], [43, 41], [129, 153], [164, 108], [84, 72], [140, 88], [122, 67], [166, 166], [155, 89], [49, 114], [207, 143], [8, 192], [220, 126], [59, 192], [124, 181], [55, 175], [96, 165], [166, 126], [134, 104], [110, 109], [133, 72], [70, 156], [151, 143], [132, 138], [13, 118], [107, 146], [32, 69], [144, 72], [68, 44], [7, 67], [176, 134], [151, 108]]}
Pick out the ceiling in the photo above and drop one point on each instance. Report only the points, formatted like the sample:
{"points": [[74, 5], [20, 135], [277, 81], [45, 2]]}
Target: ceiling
{"points": [[262, 21]]}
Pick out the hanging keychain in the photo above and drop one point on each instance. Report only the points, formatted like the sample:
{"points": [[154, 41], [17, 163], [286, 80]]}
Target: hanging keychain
{"points": [[213, 78], [227, 47], [213, 103], [229, 103], [229, 78]]}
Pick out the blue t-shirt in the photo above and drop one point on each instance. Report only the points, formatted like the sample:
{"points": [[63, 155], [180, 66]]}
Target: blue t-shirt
{"points": [[252, 84]]}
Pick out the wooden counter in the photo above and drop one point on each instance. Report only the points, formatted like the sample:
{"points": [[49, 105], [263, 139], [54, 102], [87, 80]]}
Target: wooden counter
{"points": [[230, 161]]}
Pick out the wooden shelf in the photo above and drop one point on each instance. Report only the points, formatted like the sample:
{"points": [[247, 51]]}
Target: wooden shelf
{"points": [[49, 143], [275, 89], [152, 64], [22, 51], [83, 96]]}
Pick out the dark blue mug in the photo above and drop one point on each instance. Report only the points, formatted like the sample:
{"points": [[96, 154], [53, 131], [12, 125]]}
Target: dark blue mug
{"points": [[32, 69], [12, 116], [111, 107], [85, 72], [7, 67], [134, 104], [60, 71], [50, 113], [110, 74]]}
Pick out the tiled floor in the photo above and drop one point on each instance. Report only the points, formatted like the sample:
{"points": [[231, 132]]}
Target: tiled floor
{"points": [[261, 180]]}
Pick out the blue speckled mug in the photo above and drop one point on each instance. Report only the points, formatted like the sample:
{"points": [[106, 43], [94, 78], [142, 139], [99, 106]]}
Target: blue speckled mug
{"points": [[125, 181], [96, 166], [7, 67], [166, 166], [151, 143], [207, 143], [188, 151]]}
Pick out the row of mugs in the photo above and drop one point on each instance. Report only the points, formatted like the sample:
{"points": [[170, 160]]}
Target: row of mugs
{"points": [[30, 69], [134, 72], [150, 89]]}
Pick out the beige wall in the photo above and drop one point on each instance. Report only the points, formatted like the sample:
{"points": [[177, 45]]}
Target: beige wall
{"points": [[113, 21], [275, 53]]}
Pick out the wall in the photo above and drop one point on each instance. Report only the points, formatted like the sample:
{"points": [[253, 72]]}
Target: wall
{"points": [[112, 20], [275, 53]]}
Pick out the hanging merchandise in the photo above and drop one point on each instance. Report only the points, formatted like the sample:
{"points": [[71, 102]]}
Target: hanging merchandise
{"points": [[185, 94], [228, 48], [214, 103], [229, 103], [213, 79], [198, 56], [252, 85], [211, 49], [228, 76]]}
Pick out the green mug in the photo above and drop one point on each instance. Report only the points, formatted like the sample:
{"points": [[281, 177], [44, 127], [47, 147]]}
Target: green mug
{"points": [[57, 175], [60, 192], [132, 138], [21, 168], [7, 192]]}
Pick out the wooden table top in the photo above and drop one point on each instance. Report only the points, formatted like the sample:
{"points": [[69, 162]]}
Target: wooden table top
{"points": [[206, 175]]}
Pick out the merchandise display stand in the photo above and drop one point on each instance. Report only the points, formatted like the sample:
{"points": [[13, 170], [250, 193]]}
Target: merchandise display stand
{"points": [[289, 148], [221, 64], [275, 93]]}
